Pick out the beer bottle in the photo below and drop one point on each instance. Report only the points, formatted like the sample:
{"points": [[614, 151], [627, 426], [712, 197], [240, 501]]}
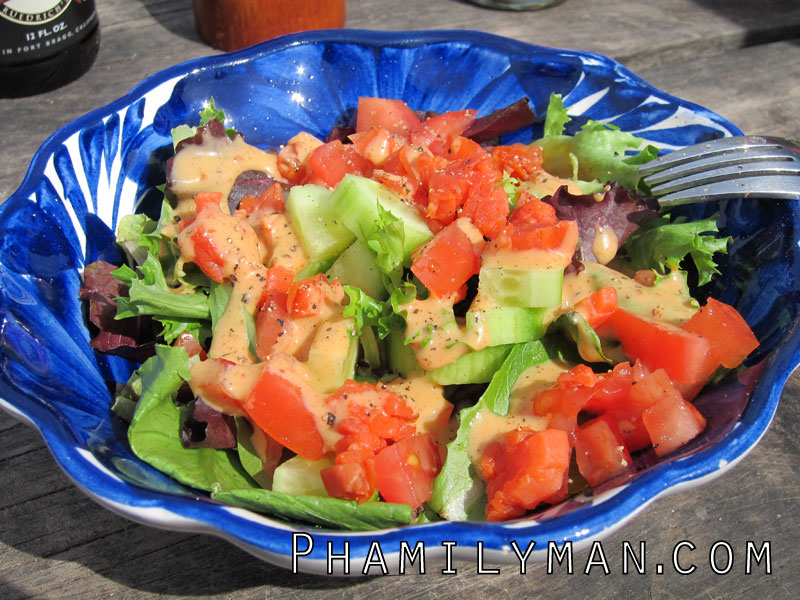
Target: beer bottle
{"points": [[45, 44]]}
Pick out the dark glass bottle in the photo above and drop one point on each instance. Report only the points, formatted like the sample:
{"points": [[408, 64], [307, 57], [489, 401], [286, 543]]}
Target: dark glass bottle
{"points": [[45, 44]]}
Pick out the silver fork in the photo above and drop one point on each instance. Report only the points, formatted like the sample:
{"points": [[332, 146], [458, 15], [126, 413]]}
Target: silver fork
{"points": [[749, 166]]}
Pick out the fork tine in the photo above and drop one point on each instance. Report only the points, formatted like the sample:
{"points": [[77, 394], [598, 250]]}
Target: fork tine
{"points": [[776, 187], [789, 168], [728, 159], [708, 149]]}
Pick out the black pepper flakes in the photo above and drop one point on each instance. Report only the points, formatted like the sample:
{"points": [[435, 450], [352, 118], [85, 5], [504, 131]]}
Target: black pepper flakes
{"points": [[330, 419]]}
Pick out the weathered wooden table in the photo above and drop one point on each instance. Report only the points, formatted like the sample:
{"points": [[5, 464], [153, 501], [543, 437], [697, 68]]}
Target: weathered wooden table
{"points": [[740, 59]]}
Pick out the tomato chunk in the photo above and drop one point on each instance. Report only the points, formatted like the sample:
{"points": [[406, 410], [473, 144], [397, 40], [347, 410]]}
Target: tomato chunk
{"points": [[524, 470], [446, 262], [278, 407], [598, 308], [671, 422], [727, 332], [329, 163], [684, 355], [351, 481], [600, 451], [270, 200], [405, 470], [392, 115]]}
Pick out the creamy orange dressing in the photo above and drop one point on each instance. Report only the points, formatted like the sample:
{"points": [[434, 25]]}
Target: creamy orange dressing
{"points": [[438, 338], [605, 244], [282, 247], [213, 166], [545, 184], [488, 427], [237, 245], [236, 380], [429, 401], [669, 301]]}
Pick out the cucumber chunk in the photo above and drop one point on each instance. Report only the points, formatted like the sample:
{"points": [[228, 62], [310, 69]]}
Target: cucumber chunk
{"points": [[356, 266], [533, 288], [507, 324], [400, 356], [475, 367], [322, 234], [300, 476], [356, 200], [332, 355]]}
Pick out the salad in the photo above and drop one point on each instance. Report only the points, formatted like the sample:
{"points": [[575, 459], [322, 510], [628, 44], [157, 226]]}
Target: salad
{"points": [[410, 321]]}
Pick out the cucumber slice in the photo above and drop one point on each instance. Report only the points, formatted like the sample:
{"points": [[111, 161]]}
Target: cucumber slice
{"points": [[332, 356], [535, 288], [355, 201], [475, 367], [322, 234], [300, 476], [507, 324], [400, 356], [356, 266], [314, 267]]}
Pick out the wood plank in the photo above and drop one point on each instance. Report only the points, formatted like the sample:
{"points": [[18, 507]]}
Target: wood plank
{"points": [[56, 543]]}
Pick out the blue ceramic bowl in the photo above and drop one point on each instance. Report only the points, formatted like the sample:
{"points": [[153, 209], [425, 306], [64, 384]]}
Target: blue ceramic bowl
{"points": [[107, 164]]}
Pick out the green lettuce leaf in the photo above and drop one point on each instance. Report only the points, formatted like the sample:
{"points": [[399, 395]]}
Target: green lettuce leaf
{"points": [[182, 132], [458, 492], [154, 433], [362, 308], [387, 242], [326, 512], [661, 244], [598, 153]]}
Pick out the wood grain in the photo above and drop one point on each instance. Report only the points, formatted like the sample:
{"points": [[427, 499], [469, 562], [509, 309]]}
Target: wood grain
{"points": [[740, 59]]}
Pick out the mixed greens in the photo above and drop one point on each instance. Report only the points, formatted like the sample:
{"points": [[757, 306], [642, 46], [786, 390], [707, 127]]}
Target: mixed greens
{"points": [[358, 246]]}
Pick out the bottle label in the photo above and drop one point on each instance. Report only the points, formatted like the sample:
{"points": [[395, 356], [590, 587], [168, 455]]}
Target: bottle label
{"points": [[35, 29]]}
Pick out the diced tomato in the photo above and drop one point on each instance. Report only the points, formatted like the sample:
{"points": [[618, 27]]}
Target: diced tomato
{"points": [[270, 200], [278, 407], [405, 470], [462, 148], [329, 163], [271, 323], [193, 347], [376, 145], [611, 388], [446, 262], [350, 481], [627, 414], [518, 160], [306, 298], [372, 408], [450, 124], [600, 451], [562, 403], [207, 200], [279, 280], [532, 212], [599, 307], [487, 207], [727, 332], [206, 254], [684, 355], [446, 194], [392, 115], [561, 236], [524, 470], [436, 132], [672, 422]]}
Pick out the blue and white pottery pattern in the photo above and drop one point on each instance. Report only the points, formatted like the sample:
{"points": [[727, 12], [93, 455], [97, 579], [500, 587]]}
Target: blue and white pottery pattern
{"points": [[108, 163]]}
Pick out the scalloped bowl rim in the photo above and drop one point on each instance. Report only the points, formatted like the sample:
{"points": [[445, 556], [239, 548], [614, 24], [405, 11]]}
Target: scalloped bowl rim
{"points": [[255, 533]]}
